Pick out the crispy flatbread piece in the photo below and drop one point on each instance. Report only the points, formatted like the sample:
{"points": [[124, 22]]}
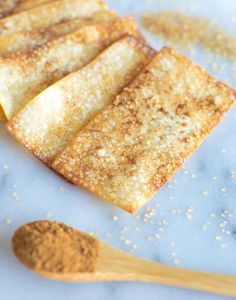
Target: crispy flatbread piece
{"points": [[48, 14], [7, 6], [25, 74], [22, 5], [2, 116], [30, 39], [52, 119], [128, 151]]}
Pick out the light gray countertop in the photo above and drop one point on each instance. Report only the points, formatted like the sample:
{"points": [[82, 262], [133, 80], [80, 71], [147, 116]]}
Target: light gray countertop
{"points": [[193, 218]]}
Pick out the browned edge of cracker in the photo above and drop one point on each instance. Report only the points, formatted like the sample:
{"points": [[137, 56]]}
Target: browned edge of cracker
{"points": [[206, 130], [137, 43]]}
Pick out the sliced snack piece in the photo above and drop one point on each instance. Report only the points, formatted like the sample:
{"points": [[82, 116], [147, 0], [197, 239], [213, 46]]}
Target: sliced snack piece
{"points": [[2, 116], [48, 14], [29, 39], [129, 150], [25, 74], [23, 5], [7, 6], [52, 119]]}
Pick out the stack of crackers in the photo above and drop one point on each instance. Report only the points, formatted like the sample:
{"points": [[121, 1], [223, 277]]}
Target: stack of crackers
{"points": [[84, 92]]}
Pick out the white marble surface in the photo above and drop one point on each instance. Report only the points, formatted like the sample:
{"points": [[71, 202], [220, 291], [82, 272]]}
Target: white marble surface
{"points": [[198, 205]]}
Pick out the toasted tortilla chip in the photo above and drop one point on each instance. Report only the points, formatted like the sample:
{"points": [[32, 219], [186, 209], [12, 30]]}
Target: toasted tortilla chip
{"points": [[28, 4], [48, 14], [136, 144], [30, 39], [7, 6], [2, 116], [25, 74], [63, 108]]}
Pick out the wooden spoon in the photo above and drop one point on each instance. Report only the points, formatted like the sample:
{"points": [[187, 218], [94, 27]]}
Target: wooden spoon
{"points": [[57, 251]]}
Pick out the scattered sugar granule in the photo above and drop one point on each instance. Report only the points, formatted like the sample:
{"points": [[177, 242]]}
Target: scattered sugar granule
{"points": [[61, 189], [205, 193], [101, 152], [128, 242], [174, 211], [93, 233], [150, 238], [233, 175], [16, 196], [5, 167], [49, 214], [115, 218], [8, 221], [223, 189], [193, 176], [189, 213], [223, 215], [218, 237], [176, 261]]}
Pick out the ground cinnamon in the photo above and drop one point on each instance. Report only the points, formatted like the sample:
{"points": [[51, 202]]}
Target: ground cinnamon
{"points": [[55, 247]]}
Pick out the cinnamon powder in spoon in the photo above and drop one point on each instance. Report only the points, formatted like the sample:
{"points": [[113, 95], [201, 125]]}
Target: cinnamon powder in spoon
{"points": [[55, 247]]}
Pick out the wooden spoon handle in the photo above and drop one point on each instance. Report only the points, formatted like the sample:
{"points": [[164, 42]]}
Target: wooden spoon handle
{"points": [[202, 281], [129, 267], [208, 282]]}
